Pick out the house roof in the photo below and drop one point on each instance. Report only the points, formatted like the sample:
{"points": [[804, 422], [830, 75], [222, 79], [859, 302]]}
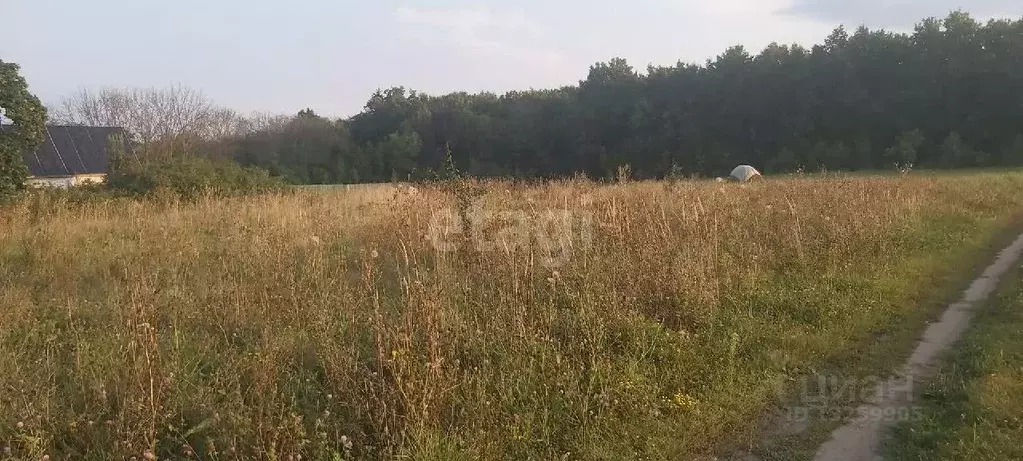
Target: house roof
{"points": [[71, 150]]}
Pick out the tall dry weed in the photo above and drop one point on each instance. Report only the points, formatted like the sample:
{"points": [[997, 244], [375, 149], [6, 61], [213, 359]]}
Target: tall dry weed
{"points": [[632, 320]]}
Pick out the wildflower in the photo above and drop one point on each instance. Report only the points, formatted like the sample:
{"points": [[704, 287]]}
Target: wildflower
{"points": [[346, 442], [374, 254], [148, 454], [683, 401], [20, 424]]}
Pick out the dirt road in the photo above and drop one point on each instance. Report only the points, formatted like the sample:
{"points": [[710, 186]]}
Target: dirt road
{"points": [[861, 438]]}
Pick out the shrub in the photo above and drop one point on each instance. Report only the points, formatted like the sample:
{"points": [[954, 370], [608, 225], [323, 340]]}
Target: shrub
{"points": [[190, 177], [906, 149]]}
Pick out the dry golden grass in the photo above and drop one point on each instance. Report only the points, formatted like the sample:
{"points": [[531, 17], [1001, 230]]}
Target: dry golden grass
{"points": [[316, 325]]}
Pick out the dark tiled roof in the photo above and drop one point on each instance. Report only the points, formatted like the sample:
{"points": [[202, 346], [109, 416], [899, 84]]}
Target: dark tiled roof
{"points": [[72, 150]]}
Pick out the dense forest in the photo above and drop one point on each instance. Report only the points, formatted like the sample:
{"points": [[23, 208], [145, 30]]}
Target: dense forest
{"points": [[948, 95]]}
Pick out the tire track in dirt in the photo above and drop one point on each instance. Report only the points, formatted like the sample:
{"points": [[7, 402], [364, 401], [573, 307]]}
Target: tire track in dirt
{"points": [[861, 438]]}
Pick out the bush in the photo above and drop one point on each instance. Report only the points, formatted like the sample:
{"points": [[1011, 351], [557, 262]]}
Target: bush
{"points": [[190, 178]]}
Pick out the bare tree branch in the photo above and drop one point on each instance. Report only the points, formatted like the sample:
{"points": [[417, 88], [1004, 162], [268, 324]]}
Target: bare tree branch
{"points": [[151, 114]]}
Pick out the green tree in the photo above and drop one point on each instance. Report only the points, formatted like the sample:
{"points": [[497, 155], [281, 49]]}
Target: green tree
{"points": [[814, 158], [838, 156], [397, 154], [608, 100], [1013, 154], [906, 148], [863, 154], [306, 149], [26, 132], [839, 104], [954, 153], [784, 162]]}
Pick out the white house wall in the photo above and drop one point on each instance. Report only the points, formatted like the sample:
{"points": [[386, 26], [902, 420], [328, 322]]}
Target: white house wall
{"points": [[65, 182], [84, 179], [57, 183]]}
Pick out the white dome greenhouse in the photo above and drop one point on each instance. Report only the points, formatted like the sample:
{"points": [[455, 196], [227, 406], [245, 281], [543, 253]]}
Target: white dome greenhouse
{"points": [[745, 173]]}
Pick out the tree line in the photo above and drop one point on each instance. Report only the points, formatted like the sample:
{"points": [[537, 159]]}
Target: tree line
{"points": [[947, 95]]}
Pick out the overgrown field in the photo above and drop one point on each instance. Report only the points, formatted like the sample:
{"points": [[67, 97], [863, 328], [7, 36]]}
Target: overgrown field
{"points": [[572, 321]]}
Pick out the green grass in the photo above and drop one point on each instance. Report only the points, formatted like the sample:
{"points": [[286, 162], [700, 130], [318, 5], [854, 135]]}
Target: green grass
{"points": [[269, 327], [924, 283], [973, 409]]}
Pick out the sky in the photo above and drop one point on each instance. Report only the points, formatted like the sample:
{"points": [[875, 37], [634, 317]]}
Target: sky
{"points": [[330, 55]]}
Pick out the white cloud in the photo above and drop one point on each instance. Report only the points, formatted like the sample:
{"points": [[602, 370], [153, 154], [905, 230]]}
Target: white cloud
{"points": [[706, 28], [899, 13], [484, 32], [726, 8]]}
